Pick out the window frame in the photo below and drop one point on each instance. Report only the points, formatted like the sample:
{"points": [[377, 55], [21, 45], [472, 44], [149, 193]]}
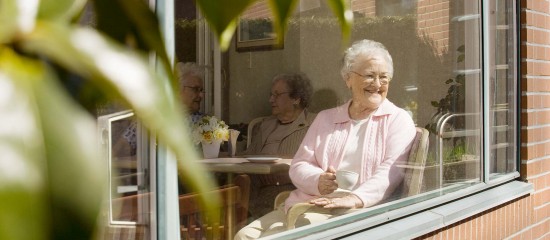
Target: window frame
{"points": [[383, 213]]}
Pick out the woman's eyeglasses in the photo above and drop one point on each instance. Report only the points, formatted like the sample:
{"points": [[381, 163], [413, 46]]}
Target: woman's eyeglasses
{"points": [[195, 89], [276, 95], [369, 78]]}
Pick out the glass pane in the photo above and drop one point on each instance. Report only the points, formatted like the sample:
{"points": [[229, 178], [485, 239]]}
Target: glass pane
{"points": [[503, 105], [436, 79], [128, 213], [437, 75], [185, 30]]}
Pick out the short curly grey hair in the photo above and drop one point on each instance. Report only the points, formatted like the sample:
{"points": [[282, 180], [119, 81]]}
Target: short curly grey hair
{"points": [[188, 69], [299, 86], [367, 48]]}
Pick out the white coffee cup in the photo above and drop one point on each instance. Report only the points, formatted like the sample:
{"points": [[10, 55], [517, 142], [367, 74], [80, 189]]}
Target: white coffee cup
{"points": [[346, 179]]}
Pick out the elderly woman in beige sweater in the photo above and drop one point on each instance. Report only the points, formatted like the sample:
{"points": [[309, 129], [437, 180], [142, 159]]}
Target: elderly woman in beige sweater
{"points": [[280, 134]]}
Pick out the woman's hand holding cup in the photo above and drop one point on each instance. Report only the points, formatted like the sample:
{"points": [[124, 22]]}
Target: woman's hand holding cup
{"points": [[327, 181]]}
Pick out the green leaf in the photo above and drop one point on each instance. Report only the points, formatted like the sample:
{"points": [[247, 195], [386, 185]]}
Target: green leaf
{"points": [[133, 23], [223, 18], [16, 17], [435, 103], [460, 78], [53, 148], [146, 27], [76, 174], [341, 9], [23, 198], [461, 48], [121, 72], [282, 10], [452, 89], [460, 58], [450, 80], [60, 10], [110, 21]]}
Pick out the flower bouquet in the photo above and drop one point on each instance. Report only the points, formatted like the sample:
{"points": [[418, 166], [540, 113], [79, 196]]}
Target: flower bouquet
{"points": [[209, 129], [210, 132]]}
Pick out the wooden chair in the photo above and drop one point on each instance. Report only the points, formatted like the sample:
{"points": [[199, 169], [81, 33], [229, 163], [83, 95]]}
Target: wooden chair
{"points": [[411, 185], [251, 125], [414, 169], [233, 212]]}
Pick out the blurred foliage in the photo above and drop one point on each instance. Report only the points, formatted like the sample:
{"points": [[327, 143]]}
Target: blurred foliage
{"points": [[52, 69], [223, 18], [52, 181]]}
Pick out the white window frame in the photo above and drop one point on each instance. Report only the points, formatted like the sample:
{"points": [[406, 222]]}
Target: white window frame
{"points": [[454, 205]]}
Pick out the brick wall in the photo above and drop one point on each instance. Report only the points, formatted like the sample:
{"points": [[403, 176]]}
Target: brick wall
{"points": [[527, 217], [433, 21], [366, 7], [258, 10]]}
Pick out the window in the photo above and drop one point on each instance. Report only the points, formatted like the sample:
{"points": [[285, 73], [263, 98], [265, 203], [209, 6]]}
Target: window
{"points": [[130, 209], [455, 73]]}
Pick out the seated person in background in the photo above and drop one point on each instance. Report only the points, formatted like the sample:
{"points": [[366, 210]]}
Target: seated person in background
{"points": [[190, 78], [191, 81], [281, 135], [368, 135]]}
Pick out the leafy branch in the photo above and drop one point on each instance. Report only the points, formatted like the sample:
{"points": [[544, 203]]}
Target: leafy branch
{"points": [[450, 102]]}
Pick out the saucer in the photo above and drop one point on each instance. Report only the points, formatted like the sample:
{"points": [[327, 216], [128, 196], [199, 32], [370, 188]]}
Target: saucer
{"points": [[263, 159], [340, 190]]}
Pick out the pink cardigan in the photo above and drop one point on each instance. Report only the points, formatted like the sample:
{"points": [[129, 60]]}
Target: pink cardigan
{"points": [[390, 133]]}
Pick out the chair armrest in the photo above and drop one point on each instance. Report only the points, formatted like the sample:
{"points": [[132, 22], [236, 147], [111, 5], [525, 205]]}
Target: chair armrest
{"points": [[294, 212], [280, 198]]}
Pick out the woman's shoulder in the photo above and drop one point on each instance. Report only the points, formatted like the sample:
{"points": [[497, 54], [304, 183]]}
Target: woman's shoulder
{"points": [[334, 115], [310, 116]]}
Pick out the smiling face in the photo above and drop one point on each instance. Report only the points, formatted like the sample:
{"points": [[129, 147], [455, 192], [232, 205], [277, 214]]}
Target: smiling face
{"points": [[365, 93]]}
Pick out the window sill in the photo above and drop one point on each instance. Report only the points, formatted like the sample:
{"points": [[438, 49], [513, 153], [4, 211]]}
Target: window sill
{"points": [[436, 218], [409, 218]]}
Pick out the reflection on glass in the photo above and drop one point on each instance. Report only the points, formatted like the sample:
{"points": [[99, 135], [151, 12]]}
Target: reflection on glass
{"points": [[129, 197], [503, 135], [436, 50], [255, 28]]}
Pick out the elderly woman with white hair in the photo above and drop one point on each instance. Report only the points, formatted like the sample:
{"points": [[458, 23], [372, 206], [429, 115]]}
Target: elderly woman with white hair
{"points": [[190, 77], [368, 135], [191, 80]]}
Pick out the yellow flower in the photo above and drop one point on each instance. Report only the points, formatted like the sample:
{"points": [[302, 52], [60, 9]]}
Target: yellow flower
{"points": [[209, 129]]}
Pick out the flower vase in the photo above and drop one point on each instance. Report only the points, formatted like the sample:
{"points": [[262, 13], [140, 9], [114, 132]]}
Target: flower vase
{"points": [[211, 150]]}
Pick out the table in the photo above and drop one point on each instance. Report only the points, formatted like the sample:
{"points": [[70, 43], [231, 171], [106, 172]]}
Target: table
{"points": [[241, 165]]}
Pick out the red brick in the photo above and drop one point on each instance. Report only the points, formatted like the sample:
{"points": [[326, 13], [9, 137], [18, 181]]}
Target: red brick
{"points": [[529, 4], [527, 84], [530, 68], [510, 218], [546, 166], [525, 135], [543, 117], [545, 100], [467, 229], [527, 102]]}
